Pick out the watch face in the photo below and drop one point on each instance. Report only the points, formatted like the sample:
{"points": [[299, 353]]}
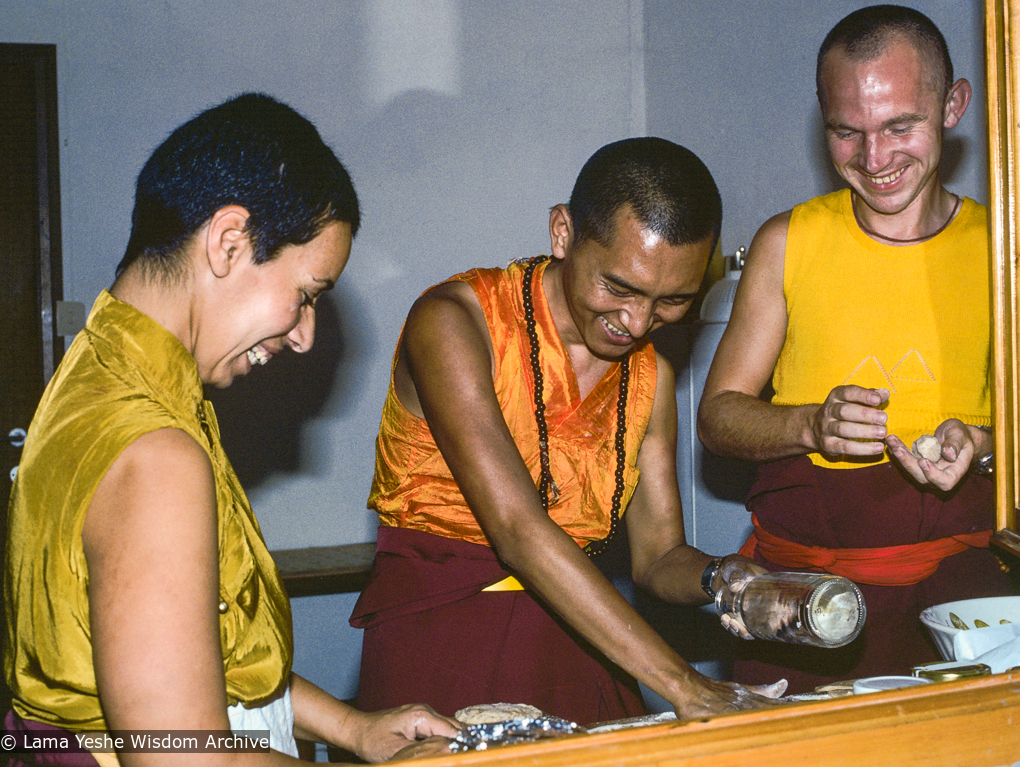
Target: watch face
{"points": [[709, 575]]}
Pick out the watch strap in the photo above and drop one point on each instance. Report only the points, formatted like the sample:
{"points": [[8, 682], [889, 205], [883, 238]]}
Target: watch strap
{"points": [[986, 463], [708, 576]]}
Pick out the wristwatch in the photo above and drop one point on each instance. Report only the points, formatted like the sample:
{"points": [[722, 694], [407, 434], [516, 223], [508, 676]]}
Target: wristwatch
{"points": [[986, 463], [708, 576]]}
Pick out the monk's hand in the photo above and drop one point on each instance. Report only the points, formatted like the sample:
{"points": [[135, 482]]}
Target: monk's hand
{"points": [[850, 422], [734, 573], [712, 696], [956, 455], [405, 732]]}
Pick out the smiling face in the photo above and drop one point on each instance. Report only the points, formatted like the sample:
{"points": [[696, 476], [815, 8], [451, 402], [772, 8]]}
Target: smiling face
{"points": [[618, 293], [263, 308], [883, 126]]}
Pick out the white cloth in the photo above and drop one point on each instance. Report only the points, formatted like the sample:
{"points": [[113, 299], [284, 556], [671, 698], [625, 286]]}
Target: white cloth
{"points": [[277, 716], [998, 647]]}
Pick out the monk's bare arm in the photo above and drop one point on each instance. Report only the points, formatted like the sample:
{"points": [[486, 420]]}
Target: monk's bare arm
{"points": [[661, 561], [448, 361], [733, 421]]}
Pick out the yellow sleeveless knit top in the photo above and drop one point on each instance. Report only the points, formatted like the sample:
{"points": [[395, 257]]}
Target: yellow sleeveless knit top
{"points": [[123, 376], [913, 319]]}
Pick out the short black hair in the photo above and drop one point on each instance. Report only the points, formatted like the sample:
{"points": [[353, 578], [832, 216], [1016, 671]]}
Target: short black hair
{"points": [[865, 33], [251, 151], [669, 189]]}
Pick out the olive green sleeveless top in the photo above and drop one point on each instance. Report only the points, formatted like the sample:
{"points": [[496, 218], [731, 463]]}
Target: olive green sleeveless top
{"points": [[124, 376]]}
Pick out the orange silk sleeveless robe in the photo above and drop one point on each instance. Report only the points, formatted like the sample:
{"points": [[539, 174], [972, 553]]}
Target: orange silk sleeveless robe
{"points": [[413, 487]]}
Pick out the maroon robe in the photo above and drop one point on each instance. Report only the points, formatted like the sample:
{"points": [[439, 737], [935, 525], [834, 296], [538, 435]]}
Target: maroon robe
{"points": [[863, 508], [26, 732], [433, 636]]}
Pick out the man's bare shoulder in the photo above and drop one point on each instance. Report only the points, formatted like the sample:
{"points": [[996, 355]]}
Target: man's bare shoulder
{"points": [[665, 376], [447, 306], [446, 323], [770, 239], [778, 221]]}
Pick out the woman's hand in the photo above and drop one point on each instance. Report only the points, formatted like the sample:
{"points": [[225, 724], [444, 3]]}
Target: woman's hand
{"points": [[433, 746], [409, 731]]}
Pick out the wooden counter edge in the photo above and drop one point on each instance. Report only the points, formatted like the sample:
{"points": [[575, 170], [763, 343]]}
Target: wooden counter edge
{"points": [[971, 722]]}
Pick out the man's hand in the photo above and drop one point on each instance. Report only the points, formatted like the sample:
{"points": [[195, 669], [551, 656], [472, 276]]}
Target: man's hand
{"points": [[851, 422], [958, 451], [712, 696], [403, 733], [734, 573]]}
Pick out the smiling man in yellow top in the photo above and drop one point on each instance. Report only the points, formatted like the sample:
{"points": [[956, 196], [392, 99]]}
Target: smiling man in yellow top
{"points": [[869, 308]]}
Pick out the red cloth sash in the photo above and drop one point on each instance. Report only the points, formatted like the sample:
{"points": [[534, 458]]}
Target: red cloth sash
{"points": [[884, 566]]}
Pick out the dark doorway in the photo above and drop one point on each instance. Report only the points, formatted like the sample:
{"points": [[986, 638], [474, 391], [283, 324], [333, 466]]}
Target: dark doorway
{"points": [[30, 263]]}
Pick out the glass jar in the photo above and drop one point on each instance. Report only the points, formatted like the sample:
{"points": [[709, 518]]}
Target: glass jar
{"points": [[815, 609]]}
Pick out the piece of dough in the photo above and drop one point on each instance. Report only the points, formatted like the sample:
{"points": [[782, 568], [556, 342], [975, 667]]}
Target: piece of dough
{"points": [[927, 446], [487, 713]]}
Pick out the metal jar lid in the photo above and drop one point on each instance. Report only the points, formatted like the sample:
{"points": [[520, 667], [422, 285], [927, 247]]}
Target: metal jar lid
{"points": [[834, 611], [934, 673]]}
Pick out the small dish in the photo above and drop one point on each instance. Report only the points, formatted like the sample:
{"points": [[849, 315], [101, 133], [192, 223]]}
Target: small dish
{"points": [[883, 683]]}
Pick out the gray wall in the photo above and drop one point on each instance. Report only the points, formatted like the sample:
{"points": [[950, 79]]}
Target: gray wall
{"points": [[462, 122], [735, 81]]}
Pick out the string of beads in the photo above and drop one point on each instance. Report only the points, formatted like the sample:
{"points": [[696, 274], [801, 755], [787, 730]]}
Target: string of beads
{"points": [[936, 233], [547, 488]]}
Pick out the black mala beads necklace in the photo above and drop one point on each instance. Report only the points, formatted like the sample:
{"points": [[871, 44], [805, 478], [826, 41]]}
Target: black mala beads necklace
{"points": [[547, 488]]}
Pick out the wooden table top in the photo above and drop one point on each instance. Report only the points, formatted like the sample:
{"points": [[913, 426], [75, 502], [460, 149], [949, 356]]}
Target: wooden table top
{"points": [[967, 723]]}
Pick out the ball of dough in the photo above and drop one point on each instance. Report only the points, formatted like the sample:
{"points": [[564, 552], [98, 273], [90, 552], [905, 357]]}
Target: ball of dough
{"points": [[487, 713], [928, 447]]}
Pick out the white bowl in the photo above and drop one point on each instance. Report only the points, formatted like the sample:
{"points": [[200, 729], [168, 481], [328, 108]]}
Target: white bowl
{"points": [[991, 610]]}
